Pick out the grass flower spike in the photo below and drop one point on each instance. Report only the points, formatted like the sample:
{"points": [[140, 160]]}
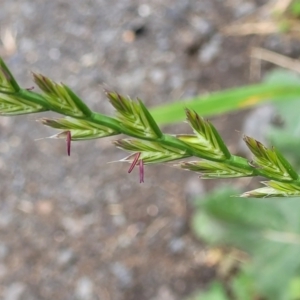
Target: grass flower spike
{"points": [[134, 117], [206, 139], [151, 152], [80, 129], [7, 82], [146, 143], [62, 98], [212, 169], [270, 161]]}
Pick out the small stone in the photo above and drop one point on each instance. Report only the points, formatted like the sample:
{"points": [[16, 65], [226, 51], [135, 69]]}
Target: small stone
{"points": [[3, 271], [131, 80], [119, 220], [124, 241], [54, 53], [3, 251], [44, 207], [210, 50], [274, 42], [152, 210], [26, 206], [204, 27], [157, 76], [29, 10], [74, 227], [128, 36], [6, 218], [177, 12], [88, 59], [244, 9], [176, 81], [194, 188], [137, 27], [65, 257], [14, 141], [164, 293], [176, 245], [84, 289], [179, 226], [26, 44], [4, 147], [144, 10], [123, 275], [14, 291]]}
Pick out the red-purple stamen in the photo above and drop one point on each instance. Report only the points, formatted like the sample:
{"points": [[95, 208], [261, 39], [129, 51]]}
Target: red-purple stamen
{"points": [[135, 161], [141, 165], [69, 138], [139, 162]]}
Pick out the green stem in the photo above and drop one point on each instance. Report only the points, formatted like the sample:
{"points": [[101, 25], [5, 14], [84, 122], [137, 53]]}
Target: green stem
{"points": [[34, 97], [241, 162], [105, 121]]}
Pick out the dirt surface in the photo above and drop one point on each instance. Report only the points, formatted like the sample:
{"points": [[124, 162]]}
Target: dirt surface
{"points": [[80, 228]]}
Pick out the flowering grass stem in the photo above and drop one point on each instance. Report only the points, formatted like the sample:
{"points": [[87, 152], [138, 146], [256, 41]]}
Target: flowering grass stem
{"points": [[149, 144]]}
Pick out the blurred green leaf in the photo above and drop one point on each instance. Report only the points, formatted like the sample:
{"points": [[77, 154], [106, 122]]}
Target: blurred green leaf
{"points": [[225, 101], [294, 289], [215, 292], [282, 76], [269, 230], [286, 137], [242, 287], [295, 8]]}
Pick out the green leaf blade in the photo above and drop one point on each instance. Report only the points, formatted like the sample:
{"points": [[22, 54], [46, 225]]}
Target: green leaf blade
{"points": [[269, 230], [227, 101]]}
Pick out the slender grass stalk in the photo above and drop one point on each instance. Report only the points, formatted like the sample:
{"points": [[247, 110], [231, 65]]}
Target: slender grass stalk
{"points": [[149, 144]]}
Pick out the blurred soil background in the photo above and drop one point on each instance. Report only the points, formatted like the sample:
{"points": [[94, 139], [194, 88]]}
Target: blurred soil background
{"points": [[77, 227]]}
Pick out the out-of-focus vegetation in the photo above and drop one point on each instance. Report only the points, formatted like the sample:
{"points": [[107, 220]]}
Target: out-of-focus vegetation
{"points": [[266, 231], [228, 100], [295, 8]]}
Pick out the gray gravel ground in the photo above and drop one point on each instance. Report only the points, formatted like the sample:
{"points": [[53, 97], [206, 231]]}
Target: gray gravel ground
{"points": [[77, 227]]}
